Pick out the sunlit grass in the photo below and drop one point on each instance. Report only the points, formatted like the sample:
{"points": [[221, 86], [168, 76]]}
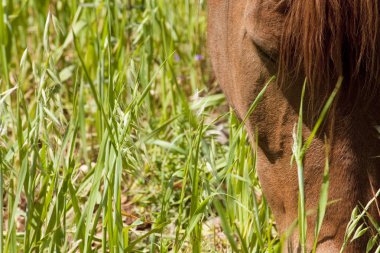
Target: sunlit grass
{"points": [[113, 137]]}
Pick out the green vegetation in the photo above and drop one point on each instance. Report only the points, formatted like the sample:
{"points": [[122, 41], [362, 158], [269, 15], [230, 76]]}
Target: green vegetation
{"points": [[113, 137], [112, 134]]}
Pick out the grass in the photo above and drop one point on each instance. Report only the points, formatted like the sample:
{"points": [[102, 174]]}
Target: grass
{"points": [[113, 137]]}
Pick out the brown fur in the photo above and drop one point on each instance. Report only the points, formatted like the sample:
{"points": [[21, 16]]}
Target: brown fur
{"points": [[252, 40], [326, 39]]}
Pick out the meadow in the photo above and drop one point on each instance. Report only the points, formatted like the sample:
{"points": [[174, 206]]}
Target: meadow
{"points": [[114, 136]]}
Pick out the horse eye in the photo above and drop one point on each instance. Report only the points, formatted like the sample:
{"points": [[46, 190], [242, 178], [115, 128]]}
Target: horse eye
{"points": [[266, 53], [283, 7]]}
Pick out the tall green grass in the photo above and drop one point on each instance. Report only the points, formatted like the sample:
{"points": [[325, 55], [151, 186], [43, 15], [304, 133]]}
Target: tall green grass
{"points": [[112, 139], [299, 151], [111, 134]]}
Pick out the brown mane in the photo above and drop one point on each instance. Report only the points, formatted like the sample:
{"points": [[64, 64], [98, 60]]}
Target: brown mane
{"points": [[325, 39]]}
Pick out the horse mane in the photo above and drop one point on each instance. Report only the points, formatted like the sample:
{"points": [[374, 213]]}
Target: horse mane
{"points": [[325, 39]]}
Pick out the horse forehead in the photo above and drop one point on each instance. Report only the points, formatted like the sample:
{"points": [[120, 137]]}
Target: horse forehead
{"points": [[264, 19], [267, 9], [275, 6]]}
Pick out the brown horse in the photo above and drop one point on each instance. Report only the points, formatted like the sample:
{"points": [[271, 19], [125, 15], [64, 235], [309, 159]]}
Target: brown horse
{"points": [[318, 40]]}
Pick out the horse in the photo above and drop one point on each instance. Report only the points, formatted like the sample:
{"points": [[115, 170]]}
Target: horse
{"points": [[309, 44]]}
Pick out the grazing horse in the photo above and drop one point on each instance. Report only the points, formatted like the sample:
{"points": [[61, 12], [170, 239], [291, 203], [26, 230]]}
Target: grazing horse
{"points": [[318, 41]]}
